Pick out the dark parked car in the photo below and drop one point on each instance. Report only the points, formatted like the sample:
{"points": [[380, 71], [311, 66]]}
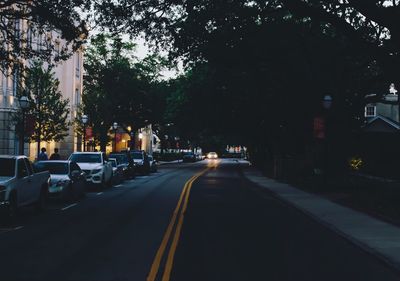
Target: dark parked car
{"points": [[189, 157], [141, 159], [118, 172], [124, 159], [153, 164], [67, 180]]}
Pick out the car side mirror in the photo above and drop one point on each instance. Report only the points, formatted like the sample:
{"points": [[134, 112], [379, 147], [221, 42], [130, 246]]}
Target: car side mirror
{"points": [[75, 173]]}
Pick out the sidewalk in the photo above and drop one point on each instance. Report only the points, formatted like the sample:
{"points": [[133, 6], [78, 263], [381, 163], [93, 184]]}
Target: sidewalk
{"points": [[374, 236], [169, 162]]}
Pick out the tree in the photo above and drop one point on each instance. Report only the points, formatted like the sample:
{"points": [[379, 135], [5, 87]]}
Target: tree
{"points": [[43, 17], [48, 109], [118, 87]]}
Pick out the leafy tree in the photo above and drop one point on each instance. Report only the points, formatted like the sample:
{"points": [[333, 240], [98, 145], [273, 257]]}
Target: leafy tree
{"points": [[62, 16], [118, 87], [48, 109]]}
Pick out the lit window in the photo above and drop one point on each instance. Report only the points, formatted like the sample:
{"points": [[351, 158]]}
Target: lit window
{"points": [[370, 111]]}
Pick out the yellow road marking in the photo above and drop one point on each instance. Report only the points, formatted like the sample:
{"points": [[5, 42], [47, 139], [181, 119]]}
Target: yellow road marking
{"points": [[172, 250], [157, 260]]}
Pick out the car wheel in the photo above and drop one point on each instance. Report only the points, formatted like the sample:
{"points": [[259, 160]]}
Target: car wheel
{"points": [[42, 201], [110, 181]]}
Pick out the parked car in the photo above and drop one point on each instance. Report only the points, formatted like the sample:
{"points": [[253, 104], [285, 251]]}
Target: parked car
{"points": [[128, 165], [67, 180], [141, 159], [212, 155], [118, 172], [189, 157], [95, 165], [153, 164], [20, 185]]}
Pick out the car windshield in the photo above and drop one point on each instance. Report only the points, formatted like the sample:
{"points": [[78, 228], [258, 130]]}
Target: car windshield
{"points": [[113, 162], [151, 158], [54, 168], [7, 167], [122, 158], [86, 158], [137, 155]]}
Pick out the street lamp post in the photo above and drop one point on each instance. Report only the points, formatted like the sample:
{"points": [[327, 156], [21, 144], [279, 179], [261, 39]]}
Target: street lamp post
{"points": [[85, 119], [115, 127], [132, 143], [24, 104], [327, 104]]}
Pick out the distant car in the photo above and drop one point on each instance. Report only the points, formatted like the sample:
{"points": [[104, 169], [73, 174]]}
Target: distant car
{"points": [[118, 172], [141, 159], [153, 164], [67, 180], [212, 155], [128, 165], [189, 157], [95, 165]]}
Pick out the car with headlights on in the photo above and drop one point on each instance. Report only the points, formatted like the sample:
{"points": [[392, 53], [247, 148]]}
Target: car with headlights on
{"points": [[67, 180], [96, 166], [212, 155]]}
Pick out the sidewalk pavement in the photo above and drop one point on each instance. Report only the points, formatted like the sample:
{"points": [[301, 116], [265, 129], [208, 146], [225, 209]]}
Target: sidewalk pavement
{"points": [[374, 236], [169, 162]]}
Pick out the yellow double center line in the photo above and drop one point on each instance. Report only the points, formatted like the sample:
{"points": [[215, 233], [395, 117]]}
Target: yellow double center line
{"points": [[184, 197]]}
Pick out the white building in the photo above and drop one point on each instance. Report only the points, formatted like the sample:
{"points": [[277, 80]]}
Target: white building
{"points": [[70, 75]]}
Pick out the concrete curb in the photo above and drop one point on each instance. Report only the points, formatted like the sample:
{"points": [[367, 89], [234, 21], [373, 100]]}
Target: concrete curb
{"points": [[169, 162], [378, 238]]}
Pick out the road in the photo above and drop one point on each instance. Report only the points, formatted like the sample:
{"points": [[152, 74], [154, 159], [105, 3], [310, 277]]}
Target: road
{"points": [[188, 222]]}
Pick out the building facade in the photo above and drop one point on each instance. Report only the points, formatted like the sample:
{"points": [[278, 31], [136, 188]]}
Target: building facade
{"points": [[70, 75]]}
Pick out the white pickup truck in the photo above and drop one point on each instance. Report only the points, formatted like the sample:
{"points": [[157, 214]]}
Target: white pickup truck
{"points": [[95, 165], [20, 185]]}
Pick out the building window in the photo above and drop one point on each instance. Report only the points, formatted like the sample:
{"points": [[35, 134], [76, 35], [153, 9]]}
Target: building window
{"points": [[78, 66], [370, 111], [77, 97]]}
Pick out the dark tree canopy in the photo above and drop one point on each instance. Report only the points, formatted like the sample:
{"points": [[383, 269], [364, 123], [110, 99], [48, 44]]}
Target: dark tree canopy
{"points": [[43, 17]]}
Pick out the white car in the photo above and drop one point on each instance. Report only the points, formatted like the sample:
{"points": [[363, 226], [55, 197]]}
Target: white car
{"points": [[212, 155], [97, 168], [20, 185]]}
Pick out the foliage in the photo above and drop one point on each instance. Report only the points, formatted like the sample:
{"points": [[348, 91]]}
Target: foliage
{"points": [[43, 16], [48, 109], [120, 88]]}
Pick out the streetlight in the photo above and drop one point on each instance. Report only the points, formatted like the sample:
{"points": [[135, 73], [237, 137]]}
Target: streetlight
{"points": [[85, 119], [115, 127], [23, 104]]}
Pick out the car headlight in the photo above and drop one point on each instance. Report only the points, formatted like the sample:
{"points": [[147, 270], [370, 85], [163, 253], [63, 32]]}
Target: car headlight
{"points": [[96, 171]]}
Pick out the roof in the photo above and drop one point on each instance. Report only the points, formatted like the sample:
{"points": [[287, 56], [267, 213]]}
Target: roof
{"points": [[12, 156], [54, 161]]}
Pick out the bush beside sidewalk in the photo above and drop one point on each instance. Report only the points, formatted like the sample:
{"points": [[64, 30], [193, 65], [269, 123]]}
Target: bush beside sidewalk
{"points": [[375, 236]]}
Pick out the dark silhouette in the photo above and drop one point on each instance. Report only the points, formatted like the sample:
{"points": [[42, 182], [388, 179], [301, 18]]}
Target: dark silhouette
{"points": [[55, 155], [43, 155]]}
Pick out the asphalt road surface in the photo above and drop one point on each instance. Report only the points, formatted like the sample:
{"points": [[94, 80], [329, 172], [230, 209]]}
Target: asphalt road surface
{"points": [[188, 222]]}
